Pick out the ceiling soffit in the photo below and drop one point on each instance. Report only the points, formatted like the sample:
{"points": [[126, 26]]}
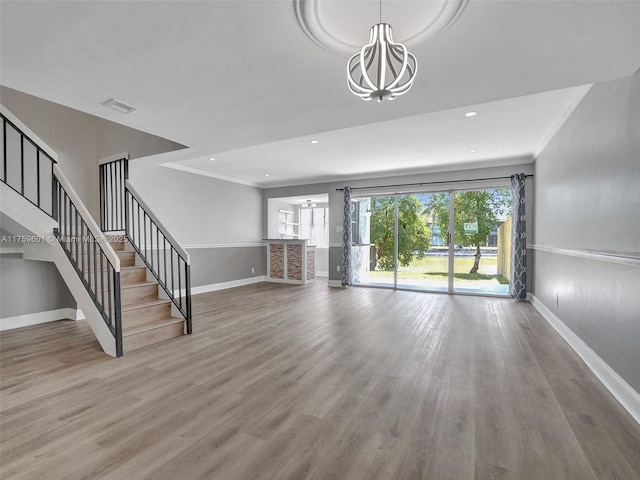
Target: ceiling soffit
{"points": [[342, 27]]}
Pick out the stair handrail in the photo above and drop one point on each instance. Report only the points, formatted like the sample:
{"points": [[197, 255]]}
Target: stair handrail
{"points": [[42, 153], [157, 221], [106, 247], [90, 253], [146, 252]]}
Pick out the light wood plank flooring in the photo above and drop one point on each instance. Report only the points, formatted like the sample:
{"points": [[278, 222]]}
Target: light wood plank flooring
{"points": [[308, 382]]}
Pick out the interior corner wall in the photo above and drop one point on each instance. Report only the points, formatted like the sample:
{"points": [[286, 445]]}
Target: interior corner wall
{"points": [[587, 224], [218, 222]]}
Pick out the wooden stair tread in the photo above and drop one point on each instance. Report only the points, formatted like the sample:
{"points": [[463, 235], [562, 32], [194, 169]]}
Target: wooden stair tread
{"points": [[128, 330], [145, 304]]}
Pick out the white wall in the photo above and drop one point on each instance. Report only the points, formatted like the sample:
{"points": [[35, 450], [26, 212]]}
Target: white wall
{"points": [[587, 224]]}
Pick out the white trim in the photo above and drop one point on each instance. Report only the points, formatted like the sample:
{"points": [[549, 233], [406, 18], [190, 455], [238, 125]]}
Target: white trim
{"points": [[225, 245], [113, 158], [335, 283], [29, 319], [612, 257], [27, 131], [197, 171], [11, 250], [223, 285], [621, 390], [321, 274]]}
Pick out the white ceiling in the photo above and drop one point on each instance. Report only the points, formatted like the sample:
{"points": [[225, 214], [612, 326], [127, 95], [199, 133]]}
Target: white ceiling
{"points": [[240, 80]]}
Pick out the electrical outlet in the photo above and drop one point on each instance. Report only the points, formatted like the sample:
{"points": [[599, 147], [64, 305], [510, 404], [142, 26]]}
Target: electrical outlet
{"points": [[338, 268], [253, 270]]}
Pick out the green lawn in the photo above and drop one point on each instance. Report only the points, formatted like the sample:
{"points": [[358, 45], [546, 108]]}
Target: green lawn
{"points": [[436, 268]]}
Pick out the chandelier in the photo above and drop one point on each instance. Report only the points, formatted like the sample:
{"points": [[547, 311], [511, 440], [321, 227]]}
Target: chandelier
{"points": [[383, 69]]}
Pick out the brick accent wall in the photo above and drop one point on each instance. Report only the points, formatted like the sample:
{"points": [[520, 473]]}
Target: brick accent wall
{"points": [[311, 264], [277, 260], [294, 262]]}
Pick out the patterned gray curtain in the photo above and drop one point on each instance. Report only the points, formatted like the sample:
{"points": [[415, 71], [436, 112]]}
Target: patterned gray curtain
{"points": [[346, 239], [518, 239]]}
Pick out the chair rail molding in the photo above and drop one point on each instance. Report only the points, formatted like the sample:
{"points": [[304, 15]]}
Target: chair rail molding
{"points": [[623, 258]]}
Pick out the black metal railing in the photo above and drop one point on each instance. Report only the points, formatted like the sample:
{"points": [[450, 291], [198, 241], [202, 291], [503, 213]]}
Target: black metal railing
{"points": [[113, 176], [32, 172], [86, 251], [161, 253], [32, 176]]}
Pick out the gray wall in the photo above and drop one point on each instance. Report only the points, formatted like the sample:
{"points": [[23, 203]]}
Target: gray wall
{"points": [[222, 219], [587, 199], [30, 287], [218, 265], [336, 198]]}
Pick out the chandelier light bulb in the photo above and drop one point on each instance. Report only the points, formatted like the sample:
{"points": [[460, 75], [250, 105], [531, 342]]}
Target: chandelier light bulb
{"points": [[383, 69]]}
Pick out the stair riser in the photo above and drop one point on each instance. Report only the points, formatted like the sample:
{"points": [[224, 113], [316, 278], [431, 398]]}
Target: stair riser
{"points": [[117, 246], [149, 337], [137, 294], [142, 315], [127, 259], [128, 277]]}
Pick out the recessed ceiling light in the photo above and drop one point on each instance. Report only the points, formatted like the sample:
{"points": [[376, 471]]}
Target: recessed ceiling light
{"points": [[266, 174], [118, 106], [472, 151], [355, 164], [212, 159], [314, 141], [470, 114]]}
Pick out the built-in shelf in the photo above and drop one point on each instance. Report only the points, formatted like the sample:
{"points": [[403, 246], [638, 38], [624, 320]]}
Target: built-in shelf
{"points": [[288, 227]]}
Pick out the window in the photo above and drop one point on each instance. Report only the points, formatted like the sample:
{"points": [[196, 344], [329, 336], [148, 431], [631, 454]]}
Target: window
{"points": [[314, 226]]}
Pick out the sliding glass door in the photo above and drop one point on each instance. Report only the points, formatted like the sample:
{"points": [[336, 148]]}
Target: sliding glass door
{"points": [[482, 239], [423, 255], [455, 241]]}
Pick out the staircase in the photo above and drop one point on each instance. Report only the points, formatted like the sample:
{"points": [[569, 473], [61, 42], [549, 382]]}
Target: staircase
{"points": [[122, 274], [146, 315]]}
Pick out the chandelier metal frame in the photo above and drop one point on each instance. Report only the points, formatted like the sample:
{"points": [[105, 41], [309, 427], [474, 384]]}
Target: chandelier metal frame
{"points": [[383, 69]]}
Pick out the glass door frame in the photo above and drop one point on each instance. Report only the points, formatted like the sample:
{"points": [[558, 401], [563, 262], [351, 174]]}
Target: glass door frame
{"points": [[451, 191]]}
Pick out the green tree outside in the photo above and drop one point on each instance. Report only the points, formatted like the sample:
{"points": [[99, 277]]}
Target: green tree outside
{"points": [[481, 207], [414, 236]]}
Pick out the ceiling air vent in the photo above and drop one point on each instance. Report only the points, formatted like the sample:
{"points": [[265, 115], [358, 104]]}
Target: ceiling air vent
{"points": [[119, 106]]}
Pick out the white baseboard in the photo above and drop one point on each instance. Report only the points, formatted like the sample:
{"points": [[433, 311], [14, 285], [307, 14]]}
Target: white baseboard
{"points": [[335, 283], [321, 274], [224, 285], [621, 390], [29, 319]]}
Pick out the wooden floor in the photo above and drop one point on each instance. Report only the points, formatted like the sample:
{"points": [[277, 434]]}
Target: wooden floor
{"points": [[289, 382]]}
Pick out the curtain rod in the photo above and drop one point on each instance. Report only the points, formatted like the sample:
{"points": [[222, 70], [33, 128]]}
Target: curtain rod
{"points": [[430, 183]]}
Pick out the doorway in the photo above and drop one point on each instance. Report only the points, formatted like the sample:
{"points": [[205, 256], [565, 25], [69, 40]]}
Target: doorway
{"points": [[455, 241]]}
